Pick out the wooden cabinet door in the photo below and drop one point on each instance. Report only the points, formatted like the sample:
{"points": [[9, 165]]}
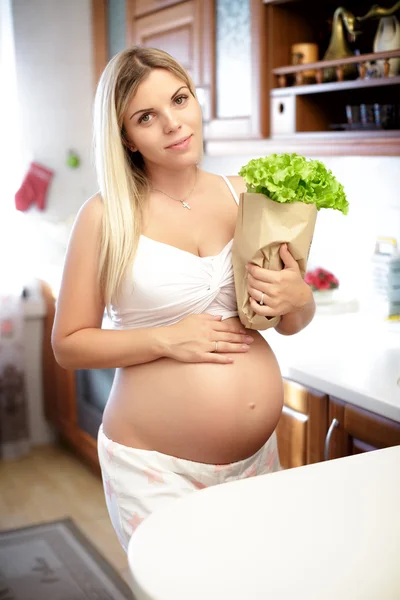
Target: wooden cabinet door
{"points": [[235, 69], [143, 7], [65, 401], [354, 430], [302, 427], [175, 30], [58, 383]]}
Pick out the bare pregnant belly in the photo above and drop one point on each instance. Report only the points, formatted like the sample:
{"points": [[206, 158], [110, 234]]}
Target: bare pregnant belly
{"points": [[204, 412]]}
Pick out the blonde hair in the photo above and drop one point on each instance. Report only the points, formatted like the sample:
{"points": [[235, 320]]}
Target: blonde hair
{"points": [[121, 173]]}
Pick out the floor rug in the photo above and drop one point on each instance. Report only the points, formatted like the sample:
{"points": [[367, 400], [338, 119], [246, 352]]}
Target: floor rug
{"points": [[56, 561]]}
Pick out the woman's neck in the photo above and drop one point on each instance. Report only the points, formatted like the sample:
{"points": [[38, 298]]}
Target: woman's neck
{"points": [[174, 183]]}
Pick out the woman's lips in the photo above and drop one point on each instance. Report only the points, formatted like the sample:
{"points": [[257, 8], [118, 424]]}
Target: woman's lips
{"points": [[182, 145]]}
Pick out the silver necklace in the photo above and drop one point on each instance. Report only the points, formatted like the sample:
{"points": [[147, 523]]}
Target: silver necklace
{"points": [[183, 201]]}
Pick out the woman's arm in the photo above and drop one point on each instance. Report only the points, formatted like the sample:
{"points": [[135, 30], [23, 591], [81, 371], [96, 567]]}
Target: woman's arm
{"points": [[77, 338], [93, 348], [295, 321]]}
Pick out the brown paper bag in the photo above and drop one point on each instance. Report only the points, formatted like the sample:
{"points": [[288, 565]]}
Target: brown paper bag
{"points": [[262, 226]]}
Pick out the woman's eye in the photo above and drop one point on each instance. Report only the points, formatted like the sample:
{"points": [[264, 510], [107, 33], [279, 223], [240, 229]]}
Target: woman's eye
{"points": [[145, 118], [180, 100]]}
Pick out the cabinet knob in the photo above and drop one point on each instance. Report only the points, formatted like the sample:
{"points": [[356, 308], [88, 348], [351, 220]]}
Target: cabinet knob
{"points": [[335, 423]]}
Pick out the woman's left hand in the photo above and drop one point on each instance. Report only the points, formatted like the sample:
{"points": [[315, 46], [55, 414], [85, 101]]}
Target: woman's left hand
{"points": [[281, 292]]}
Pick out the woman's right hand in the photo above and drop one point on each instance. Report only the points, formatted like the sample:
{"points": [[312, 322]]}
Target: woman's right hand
{"points": [[205, 338]]}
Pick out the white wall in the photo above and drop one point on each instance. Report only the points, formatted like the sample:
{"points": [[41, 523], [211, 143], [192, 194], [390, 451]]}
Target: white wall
{"points": [[53, 42], [344, 244], [53, 47]]}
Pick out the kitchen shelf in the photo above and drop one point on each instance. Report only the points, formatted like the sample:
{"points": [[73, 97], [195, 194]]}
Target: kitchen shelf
{"points": [[314, 144], [335, 86], [304, 117], [319, 66]]}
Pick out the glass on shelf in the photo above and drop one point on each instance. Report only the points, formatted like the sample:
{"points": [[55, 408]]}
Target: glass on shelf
{"points": [[373, 116]]}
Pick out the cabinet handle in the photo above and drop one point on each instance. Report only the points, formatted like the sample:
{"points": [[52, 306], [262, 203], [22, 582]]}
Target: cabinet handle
{"points": [[335, 423]]}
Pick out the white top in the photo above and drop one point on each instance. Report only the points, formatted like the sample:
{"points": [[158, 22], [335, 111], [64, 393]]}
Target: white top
{"points": [[328, 531], [167, 284]]}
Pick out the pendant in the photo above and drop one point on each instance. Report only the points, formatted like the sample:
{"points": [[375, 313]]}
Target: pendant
{"points": [[186, 205]]}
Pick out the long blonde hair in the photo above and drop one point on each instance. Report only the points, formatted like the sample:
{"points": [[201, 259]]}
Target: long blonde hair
{"points": [[121, 173]]}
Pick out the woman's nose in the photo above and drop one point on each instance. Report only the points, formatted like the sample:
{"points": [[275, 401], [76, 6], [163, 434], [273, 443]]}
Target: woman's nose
{"points": [[171, 123]]}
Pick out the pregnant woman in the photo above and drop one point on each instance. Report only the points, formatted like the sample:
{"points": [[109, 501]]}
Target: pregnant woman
{"points": [[196, 398]]}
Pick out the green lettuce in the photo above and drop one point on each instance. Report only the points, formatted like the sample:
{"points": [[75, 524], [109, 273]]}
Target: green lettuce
{"points": [[293, 178]]}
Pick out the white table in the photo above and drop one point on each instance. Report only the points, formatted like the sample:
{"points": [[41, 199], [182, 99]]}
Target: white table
{"points": [[329, 531]]}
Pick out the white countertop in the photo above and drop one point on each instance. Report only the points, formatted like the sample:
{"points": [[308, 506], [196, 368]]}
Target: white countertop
{"points": [[349, 356], [321, 532]]}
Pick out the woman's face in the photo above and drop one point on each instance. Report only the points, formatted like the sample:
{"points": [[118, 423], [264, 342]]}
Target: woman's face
{"points": [[163, 122]]}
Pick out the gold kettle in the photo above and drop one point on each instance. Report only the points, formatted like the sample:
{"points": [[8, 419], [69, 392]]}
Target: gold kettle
{"points": [[343, 22]]}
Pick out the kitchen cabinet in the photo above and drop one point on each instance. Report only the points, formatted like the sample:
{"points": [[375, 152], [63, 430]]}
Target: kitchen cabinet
{"points": [[174, 29], [353, 430], [216, 41], [309, 116], [144, 7], [58, 383], [109, 32], [313, 110], [302, 427], [59, 392], [316, 427], [221, 43], [234, 58], [172, 25], [238, 53]]}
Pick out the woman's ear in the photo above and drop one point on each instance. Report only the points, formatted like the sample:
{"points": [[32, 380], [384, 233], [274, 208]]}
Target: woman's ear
{"points": [[128, 144]]}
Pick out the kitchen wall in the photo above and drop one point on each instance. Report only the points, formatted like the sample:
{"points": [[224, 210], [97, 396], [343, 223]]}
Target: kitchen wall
{"points": [[54, 73], [53, 52]]}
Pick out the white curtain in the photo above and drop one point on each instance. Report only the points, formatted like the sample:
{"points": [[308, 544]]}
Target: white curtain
{"points": [[14, 431]]}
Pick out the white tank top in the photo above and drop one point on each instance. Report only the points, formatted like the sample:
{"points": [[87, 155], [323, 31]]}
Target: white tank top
{"points": [[168, 284]]}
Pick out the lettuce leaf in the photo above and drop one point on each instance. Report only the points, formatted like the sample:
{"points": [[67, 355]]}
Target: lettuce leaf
{"points": [[293, 178]]}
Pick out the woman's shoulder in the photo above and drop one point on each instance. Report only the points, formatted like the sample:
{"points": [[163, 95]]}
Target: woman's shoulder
{"points": [[238, 183], [89, 217], [93, 206], [92, 210]]}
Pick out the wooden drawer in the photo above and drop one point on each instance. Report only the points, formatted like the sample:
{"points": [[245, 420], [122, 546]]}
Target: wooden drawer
{"points": [[292, 438], [143, 7], [356, 430], [302, 427], [371, 428], [298, 397]]}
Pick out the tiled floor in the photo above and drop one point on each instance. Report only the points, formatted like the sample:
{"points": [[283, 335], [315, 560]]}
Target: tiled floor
{"points": [[51, 483]]}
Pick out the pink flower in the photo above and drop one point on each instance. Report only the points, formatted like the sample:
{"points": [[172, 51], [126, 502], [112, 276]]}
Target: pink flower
{"points": [[321, 279], [324, 285], [310, 278]]}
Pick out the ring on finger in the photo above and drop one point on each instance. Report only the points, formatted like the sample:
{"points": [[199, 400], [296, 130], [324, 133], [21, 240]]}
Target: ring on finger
{"points": [[261, 302]]}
